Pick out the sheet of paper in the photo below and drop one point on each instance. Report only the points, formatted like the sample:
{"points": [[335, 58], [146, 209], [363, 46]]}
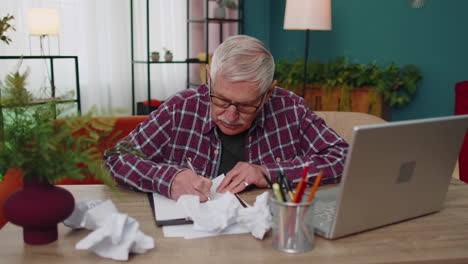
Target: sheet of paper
{"points": [[166, 208], [187, 231]]}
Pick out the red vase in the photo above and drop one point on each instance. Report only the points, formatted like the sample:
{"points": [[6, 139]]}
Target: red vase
{"points": [[38, 208]]}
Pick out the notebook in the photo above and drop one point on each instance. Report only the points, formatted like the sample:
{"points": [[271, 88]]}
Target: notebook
{"points": [[394, 171]]}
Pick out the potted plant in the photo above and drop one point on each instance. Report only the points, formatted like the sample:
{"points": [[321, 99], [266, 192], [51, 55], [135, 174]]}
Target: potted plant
{"points": [[220, 11], [45, 150], [168, 55], [155, 56], [4, 27]]}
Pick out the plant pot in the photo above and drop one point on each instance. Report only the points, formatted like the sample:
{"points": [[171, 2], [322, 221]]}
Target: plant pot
{"points": [[155, 57], [38, 208], [168, 57], [219, 12], [360, 100]]}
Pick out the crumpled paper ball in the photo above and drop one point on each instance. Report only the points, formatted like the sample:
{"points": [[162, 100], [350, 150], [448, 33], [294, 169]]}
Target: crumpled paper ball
{"points": [[217, 215], [115, 234]]}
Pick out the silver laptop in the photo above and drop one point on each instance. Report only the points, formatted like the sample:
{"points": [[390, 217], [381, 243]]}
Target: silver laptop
{"points": [[394, 171]]}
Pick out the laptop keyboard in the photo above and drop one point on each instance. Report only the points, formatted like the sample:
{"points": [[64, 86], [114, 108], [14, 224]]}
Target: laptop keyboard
{"points": [[324, 210], [324, 214]]}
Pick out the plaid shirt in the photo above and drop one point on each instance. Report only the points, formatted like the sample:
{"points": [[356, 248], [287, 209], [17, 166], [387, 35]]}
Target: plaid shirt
{"points": [[284, 137]]}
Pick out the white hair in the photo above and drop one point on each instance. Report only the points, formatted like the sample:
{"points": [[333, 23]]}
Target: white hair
{"points": [[243, 58]]}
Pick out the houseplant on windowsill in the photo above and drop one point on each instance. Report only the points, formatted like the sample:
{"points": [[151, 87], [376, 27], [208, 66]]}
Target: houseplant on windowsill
{"points": [[45, 150]]}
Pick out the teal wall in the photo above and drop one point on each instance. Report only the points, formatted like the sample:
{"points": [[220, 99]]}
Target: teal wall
{"points": [[434, 38]]}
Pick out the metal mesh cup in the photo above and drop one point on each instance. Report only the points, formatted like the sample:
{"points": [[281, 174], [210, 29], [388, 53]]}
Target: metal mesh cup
{"points": [[293, 230]]}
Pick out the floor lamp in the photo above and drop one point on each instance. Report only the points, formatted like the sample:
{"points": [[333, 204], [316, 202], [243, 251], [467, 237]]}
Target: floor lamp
{"points": [[43, 22], [307, 15]]}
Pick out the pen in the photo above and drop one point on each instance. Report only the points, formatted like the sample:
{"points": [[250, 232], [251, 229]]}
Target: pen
{"points": [[300, 188], [313, 190], [193, 169], [177, 221], [281, 188], [315, 187], [280, 180], [277, 192], [288, 186], [240, 200], [190, 165]]}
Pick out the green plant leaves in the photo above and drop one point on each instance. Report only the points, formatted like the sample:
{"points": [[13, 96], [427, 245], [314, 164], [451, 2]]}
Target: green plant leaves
{"points": [[396, 85], [45, 148], [4, 27]]}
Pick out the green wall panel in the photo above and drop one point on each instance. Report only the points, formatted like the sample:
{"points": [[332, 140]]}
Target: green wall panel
{"points": [[434, 38], [256, 19]]}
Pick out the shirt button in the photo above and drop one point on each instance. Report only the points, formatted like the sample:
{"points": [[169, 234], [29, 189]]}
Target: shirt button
{"points": [[278, 159], [216, 152], [189, 159]]}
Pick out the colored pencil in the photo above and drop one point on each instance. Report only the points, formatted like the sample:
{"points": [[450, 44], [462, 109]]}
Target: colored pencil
{"points": [[314, 188]]}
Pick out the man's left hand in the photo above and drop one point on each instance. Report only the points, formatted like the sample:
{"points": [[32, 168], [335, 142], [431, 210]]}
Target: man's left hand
{"points": [[241, 176]]}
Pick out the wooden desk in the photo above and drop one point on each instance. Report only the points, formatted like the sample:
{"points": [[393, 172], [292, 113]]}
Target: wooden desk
{"points": [[437, 238]]}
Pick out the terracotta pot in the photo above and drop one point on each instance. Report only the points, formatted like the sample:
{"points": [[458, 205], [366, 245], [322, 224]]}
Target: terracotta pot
{"points": [[155, 57], [38, 208], [168, 57]]}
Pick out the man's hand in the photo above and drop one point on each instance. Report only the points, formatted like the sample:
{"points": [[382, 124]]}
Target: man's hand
{"points": [[241, 176], [188, 182]]}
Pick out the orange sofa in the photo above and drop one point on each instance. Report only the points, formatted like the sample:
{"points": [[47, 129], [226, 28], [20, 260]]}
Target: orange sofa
{"points": [[13, 180], [10, 184], [123, 126]]}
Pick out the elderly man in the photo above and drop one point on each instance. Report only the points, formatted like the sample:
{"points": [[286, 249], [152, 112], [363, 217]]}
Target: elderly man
{"points": [[239, 124]]}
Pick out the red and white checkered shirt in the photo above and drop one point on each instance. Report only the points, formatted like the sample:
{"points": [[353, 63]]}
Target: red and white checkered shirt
{"points": [[284, 137]]}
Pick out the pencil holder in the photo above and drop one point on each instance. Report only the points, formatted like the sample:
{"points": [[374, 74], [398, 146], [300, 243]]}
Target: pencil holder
{"points": [[293, 229]]}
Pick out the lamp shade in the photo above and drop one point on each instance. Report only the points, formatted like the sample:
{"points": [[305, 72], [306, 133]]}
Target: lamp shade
{"points": [[308, 14], [43, 21]]}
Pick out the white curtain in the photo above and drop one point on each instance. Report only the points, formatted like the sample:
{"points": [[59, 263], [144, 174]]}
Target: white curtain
{"points": [[98, 32], [167, 31]]}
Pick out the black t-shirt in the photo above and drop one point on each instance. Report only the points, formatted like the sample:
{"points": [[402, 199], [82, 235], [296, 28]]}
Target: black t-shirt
{"points": [[233, 150]]}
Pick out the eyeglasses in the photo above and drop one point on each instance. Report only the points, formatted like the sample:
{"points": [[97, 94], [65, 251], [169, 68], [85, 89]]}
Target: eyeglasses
{"points": [[225, 103], [243, 108]]}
